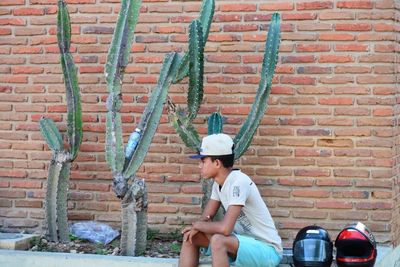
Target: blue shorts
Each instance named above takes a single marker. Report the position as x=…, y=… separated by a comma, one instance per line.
x=254, y=253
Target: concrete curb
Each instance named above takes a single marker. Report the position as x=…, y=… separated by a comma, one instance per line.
x=15, y=258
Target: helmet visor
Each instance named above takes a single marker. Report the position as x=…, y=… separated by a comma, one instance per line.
x=312, y=250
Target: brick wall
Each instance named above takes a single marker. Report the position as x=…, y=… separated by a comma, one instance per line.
x=325, y=151
x=396, y=213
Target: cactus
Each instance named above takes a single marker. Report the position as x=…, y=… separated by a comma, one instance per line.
x=60, y=164
x=243, y=138
x=194, y=68
x=183, y=123
x=174, y=68
x=215, y=123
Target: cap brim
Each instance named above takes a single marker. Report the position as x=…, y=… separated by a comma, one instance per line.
x=198, y=156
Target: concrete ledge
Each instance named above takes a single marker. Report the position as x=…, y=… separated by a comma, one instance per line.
x=15, y=258
x=15, y=241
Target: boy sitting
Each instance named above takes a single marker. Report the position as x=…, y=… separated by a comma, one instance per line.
x=246, y=236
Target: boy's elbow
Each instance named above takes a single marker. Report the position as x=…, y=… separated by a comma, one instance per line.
x=226, y=231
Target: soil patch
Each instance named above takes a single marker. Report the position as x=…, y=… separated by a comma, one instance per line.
x=159, y=245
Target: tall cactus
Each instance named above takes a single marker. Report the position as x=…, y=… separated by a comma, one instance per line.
x=60, y=164
x=124, y=166
x=192, y=65
x=183, y=123
x=243, y=138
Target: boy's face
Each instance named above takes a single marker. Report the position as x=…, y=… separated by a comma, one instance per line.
x=208, y=168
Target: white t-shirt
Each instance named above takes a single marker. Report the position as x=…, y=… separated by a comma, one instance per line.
x=254, y=219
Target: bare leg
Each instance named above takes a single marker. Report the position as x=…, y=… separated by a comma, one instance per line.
x=221, y=247
x=189, y=256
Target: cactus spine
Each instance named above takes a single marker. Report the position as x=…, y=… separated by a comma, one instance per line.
x=60, y=164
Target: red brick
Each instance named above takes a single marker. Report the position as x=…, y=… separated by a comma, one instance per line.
x=336, y=37
x=12, y=21
x=336, y=15
x=314, y=5
x=335, y=59
x=310, y=214
x=299, y=16
x=312, y=172
x=238, y=7
x=312, y=47
x=353, y=27
x=331, y=204
x=12, y=2
x=358, y=4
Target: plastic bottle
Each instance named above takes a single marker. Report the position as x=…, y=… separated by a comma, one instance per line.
x=132, y=143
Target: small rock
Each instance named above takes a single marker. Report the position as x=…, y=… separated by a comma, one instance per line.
x=44, y=241
x=73, y=251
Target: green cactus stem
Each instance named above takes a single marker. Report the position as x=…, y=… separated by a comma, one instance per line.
x=51, y=198
x=74, y=117
x=205, y=18
x=62, y=200
x=152, y=113
x=114, y=145
x=196, y=68
x=118, y=55
x=185, y=130
x=117, y=60
x=60, y=164
x=215, y=123
x=243, y=139
x=51, y=134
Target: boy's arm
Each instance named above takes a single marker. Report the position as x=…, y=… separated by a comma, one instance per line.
x=210, y=210
x=224, y=227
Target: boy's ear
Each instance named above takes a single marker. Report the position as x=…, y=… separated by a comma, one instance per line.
x=219, y=163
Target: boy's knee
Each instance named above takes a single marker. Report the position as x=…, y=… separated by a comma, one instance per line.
x=217, y=241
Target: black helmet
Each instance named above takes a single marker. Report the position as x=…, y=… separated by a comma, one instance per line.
x=355, y=246
x=312, y=247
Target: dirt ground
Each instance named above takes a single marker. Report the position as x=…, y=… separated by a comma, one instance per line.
x=159, y=245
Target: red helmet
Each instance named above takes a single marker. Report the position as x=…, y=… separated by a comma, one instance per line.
x=355, y=247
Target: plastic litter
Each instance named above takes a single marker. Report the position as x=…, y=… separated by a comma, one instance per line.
x=93, y=231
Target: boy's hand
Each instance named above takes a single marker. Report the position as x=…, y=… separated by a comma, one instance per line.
x=188, y=233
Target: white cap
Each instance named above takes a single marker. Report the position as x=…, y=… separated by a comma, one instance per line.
x=215, y=145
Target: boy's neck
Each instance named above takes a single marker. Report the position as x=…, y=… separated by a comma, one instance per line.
x=222, y=175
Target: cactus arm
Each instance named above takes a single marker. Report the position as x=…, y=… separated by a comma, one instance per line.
x=51, y=134
x=183, y=127
x=63, y=27
x=70, y=79
x=243, y=138
x=215, y=123
x=117, y=59
x=152, y=113
x=114, y=144
x=206, y=16
x=73, y=104
x=51, y=198
x=186, y=131
x=62, y=200
x=118, y=54
x=196, y=68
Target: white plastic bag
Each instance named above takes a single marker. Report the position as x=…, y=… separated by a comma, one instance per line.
x=94, y=231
